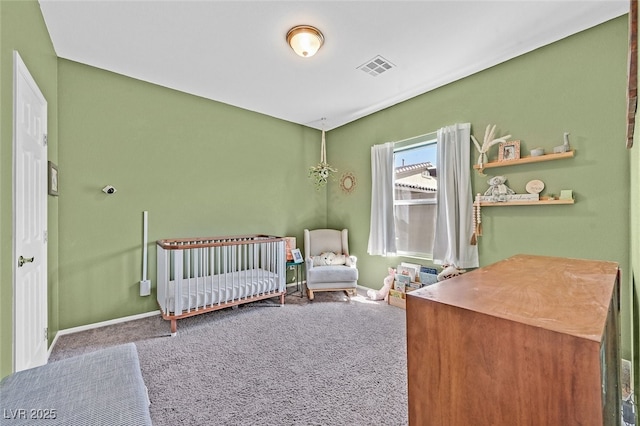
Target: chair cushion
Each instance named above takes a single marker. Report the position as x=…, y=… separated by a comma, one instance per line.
x=336, y=273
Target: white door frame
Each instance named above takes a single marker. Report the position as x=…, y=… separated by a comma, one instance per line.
x=29, y=221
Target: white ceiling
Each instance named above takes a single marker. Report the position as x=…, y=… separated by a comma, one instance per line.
x=235, y=51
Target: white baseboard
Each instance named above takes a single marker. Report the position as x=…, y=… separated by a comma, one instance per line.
x=53, y=343
x=361, y=287
x=99, y=324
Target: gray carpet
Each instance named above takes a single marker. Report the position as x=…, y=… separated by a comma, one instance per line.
x=333, y=361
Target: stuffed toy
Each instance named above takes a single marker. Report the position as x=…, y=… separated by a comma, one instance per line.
x=498, y=190
x=328, y=258
x=323, y=259
x=339, y=259
x=449, y=271
x=383, y=293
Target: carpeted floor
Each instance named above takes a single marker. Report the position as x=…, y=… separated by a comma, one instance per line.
x=333, y=361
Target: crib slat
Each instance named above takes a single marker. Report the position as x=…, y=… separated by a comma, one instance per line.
x=218, y=271
x=247, y=282
x=211, y=273
x=178, y=275
x=163, y=276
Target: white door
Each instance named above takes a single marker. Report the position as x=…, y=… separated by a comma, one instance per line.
x=29, y=220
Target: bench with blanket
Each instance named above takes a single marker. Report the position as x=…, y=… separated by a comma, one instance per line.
x=98, y=388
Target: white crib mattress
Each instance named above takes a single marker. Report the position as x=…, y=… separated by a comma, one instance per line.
x=217, y=289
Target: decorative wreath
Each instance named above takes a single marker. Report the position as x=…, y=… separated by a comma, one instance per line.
x=348, y=182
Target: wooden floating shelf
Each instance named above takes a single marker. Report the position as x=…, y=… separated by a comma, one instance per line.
x=526, y=160
x=525, y=203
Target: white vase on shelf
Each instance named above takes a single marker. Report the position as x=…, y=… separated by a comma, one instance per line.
x=482, y=159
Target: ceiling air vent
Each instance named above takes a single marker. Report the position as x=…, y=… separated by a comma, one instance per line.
x=376, y=66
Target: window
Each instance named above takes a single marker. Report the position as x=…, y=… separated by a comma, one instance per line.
x=415, y=195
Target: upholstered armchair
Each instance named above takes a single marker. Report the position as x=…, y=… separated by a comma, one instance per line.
x=328, y=264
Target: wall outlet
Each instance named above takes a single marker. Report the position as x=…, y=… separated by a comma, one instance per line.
x=145, y=288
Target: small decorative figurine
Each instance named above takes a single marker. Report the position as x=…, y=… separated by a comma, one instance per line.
x=565, y=146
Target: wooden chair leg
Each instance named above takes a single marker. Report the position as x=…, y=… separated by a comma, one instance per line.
x=310, y=294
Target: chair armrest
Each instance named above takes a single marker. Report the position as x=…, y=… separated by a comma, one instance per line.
x=308, y=263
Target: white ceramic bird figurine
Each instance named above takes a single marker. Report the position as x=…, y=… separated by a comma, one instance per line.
x=565, y=146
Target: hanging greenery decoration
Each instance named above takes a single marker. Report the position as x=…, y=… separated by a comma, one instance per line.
x=321, y=172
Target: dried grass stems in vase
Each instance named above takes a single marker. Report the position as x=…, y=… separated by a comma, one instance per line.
x=321, y=172
x=488, y=142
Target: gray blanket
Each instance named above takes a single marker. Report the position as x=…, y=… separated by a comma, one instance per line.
x=98, y=388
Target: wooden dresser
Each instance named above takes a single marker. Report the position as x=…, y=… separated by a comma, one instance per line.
x=530, y=340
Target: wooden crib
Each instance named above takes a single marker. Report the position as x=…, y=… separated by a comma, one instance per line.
x=198, y=275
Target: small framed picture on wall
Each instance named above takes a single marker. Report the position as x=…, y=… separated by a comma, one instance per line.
x=297, y=256
x=509, y=151
x=53, y=179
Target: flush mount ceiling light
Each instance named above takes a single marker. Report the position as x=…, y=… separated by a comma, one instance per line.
x=305, y=40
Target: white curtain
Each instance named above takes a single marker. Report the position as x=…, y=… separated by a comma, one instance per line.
x=454, y=225
x=382, y=234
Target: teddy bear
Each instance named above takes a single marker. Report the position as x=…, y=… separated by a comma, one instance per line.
x=498, y=190
x=324, y=259
x=328, y=258
x=383, y=293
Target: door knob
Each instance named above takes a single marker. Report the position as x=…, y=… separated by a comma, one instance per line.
x=23, y=260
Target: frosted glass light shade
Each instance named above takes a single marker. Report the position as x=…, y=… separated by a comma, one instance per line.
x=305, y=40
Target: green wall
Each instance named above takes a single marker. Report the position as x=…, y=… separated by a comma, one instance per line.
x=22, y=28
x=200, y=168
x=635, y=247
x=635, y=244
x=575, y=85
x=204, y=168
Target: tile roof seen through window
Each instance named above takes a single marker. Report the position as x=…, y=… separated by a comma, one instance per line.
x=417, y=177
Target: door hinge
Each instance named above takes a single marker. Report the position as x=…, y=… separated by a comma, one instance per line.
x=45, y=236
x=44, y=139
x=46, y=333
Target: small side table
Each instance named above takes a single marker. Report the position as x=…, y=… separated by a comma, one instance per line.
x=297, y=267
